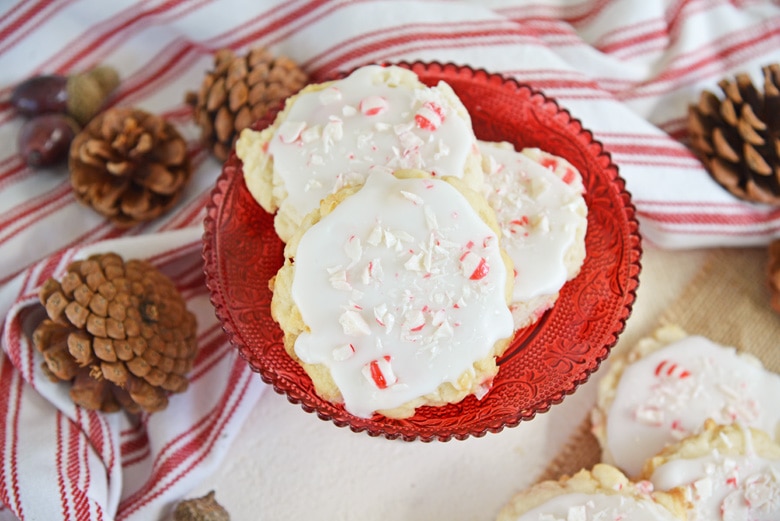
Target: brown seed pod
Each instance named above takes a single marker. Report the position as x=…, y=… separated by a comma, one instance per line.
x=45, y=140
x=238, y=91
x=80, y=95
x=203, y=508
x=129, y=165
x=738, y=137
x=119, y=331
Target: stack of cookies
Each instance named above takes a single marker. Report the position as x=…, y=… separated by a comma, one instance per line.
x=413, y=251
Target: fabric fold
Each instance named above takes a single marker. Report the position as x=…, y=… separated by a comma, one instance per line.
x=62, y=461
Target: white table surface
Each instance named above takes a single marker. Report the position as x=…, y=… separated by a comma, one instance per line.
x=288, y=464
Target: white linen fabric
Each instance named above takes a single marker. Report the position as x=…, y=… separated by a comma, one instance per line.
x=628, y=70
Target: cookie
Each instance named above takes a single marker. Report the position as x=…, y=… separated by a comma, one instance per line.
x=665, y=388
x=336, y=134
x=539, y=204
x=725, y=473
x=394, y=295
x=598, y=494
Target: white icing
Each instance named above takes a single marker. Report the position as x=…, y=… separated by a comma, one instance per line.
x=669, y=393
x=539, y=215
x=399, y=291
x=727, y=488
x=597, y=507
x=377, y=118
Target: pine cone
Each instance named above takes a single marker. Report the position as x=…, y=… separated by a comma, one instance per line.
x=738, y=138
x=203, y=508
x=119, y=331
x=238, y=92
x=129, y=165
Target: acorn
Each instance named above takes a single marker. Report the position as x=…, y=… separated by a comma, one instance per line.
x=79, y=95
x=45, y=140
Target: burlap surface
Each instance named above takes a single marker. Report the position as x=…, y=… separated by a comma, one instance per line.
x=728, y=302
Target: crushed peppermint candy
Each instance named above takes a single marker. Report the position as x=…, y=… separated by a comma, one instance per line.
x=380, y=372
x=343, y=352
x=430, y=116
x=330, y=95
x=290, y=131
x=668, y=368
x=414, y=198
x=473, y=266
x=353, y=323
x=373, y=105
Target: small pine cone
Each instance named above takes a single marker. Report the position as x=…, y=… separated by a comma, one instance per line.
x=203, y=508
x=129, y=165
x=119, y=331
x=238, y=92
x=738, y=138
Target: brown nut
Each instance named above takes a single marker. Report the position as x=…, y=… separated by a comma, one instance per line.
x=41, y=94
x=81, y=95
x=45, y=140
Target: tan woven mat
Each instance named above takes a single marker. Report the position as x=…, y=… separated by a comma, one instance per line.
x=728, y=302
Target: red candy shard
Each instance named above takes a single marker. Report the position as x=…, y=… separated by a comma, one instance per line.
x=669, y=369
x=430, y=116
x=379, y=376
x=481, y=270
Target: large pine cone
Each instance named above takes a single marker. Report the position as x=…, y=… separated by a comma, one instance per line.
x=119, y=331
x=738, y=138
x=238, y=92
x=129, y=165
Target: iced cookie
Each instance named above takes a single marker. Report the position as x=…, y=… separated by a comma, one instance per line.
x=665, y=388
x=335, y=134
x=602, y=493
x=394, y=295
x=539, y=204
x=725, y=473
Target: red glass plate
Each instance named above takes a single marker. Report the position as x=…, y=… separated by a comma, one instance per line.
x=544, y=363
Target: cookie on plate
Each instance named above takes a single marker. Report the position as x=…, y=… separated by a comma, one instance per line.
x=539, y=204
x=335, y=134
x=725, y=473
x=665, y=388
x=394, y=295
x=589, y=495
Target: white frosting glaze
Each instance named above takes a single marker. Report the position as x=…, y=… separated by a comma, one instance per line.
x=668, y=394
x=376, y=119
x=727, y=488
x=403, y=288
x=538, y=201
x=597, y=507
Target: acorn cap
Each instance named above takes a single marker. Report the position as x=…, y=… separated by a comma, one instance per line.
x=88, y=92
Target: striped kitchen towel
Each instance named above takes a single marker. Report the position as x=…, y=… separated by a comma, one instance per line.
x=626, y=69
x=59, y=461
